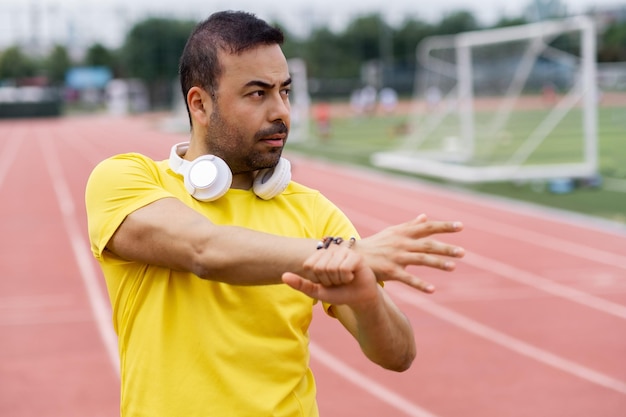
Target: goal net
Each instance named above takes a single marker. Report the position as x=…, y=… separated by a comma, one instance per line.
x=512, y=103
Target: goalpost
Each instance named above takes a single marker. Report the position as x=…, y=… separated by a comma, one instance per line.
x=299, y=100
x=514, y=103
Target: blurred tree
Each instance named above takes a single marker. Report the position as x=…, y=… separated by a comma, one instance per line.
x=14, y=64
x=100, y=56
x=364, y=37
x=151, y=52
x=56, y=65
x=292, y=47
x=457, y=22
x=328, y=56
x=406, y=38
x=612, y=47
x=509, y=21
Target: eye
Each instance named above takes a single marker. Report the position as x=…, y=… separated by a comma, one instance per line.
x=286, y=91
x=258, y=93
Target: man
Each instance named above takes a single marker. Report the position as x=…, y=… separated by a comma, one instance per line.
x=196, y=249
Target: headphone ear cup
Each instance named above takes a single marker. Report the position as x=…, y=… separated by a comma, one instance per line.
x=271, y=182
x=208, y=178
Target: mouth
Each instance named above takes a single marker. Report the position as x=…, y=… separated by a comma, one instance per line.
x=275, y=140
x=275, y=135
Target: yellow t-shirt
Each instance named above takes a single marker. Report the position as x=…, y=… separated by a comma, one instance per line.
x=193, y=347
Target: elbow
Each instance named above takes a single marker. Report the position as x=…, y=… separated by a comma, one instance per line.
x=396, y=360
x=198, y=265
x=401, y=363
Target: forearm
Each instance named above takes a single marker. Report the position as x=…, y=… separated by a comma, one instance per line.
x=382, y=331
x=244, y=257
x=167, y=233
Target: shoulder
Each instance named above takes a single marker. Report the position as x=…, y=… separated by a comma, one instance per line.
x=129, y=160
x=295, y=188
x=125, y=167
x=124, y=174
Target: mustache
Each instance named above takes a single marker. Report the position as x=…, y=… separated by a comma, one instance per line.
x=276, y=128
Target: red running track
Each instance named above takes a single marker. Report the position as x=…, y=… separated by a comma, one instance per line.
x=532, y=322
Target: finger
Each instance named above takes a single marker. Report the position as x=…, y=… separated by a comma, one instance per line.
x=429, y=260
x=335, y=267
x=316, y=269
x=431, y=227
x=333, y=295
x=415, y=282
x=299, y=283
x=438, y=248
x=345, y=271
x=421, y=218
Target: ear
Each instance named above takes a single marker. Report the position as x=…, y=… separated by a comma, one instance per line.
x=200, y=105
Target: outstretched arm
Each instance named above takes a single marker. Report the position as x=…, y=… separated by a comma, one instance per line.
x=170, y=234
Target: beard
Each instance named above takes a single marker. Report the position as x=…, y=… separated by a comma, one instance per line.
x=225, y=140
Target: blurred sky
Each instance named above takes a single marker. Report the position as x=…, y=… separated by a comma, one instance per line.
x=83, y=22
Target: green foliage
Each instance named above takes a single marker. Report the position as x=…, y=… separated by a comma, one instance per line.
x=506, y=22
x=99, y=56
x=153, y=47
x=457, y=22
x=325, y=54
x=613, y=45
x=15, y=64
x=363, y=37
x=57, y=64
x=406, y=38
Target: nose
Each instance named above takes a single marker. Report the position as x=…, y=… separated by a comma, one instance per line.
x=280, y=109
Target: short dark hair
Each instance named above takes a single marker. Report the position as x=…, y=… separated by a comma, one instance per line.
x=233, y=32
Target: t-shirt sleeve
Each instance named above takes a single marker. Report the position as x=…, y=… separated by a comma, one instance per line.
x=117, y=187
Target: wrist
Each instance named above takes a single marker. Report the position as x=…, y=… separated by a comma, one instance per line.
x=367, y=303
x=330, y=240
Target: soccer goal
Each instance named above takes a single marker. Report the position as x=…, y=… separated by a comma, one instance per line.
x=514, y=103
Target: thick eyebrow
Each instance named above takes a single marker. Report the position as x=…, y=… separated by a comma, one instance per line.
x=267, y=86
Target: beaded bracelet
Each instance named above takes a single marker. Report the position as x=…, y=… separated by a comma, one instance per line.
x=329, y=240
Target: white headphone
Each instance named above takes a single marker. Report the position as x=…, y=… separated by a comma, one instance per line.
x=208, y=177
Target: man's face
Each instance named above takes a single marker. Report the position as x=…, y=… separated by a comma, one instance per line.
x=250, y=120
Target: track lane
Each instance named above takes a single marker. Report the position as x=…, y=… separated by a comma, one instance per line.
x=51, y=359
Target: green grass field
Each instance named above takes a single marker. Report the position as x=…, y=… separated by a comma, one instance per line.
x=353, y=140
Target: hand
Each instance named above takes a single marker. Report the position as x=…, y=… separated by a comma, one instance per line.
x=336, y=275
x=390, y=251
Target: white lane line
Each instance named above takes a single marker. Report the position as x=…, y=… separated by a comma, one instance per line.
x=97, y=300
x=519, y=275
x=372, y=387
x=511, y=343
x=8, y=154
x=515, y=274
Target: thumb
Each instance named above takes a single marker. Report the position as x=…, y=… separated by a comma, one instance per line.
x=305, y=286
